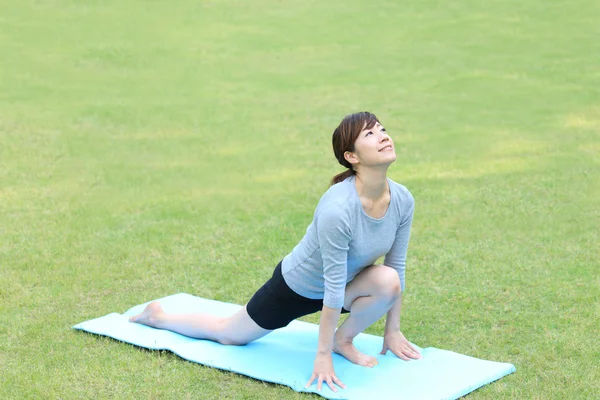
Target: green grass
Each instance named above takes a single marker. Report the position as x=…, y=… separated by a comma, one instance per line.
x=149, y=148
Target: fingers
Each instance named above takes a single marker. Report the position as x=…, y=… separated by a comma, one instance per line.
x=326, y=379
x=384, y=349
x=414, y=355
x=338, y=382
x=330, y=384
x=415, y=351
x=330, y=380
x=403, y=349
x=410, y=353
x=406, y=354
x=311, y=380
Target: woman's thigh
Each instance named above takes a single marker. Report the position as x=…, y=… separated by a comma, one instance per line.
x=275, y=304
x=240, y=329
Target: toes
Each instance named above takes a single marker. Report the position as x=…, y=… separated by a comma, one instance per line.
x=372, y=362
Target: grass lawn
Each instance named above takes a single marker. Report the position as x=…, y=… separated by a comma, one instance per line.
x=149, y=148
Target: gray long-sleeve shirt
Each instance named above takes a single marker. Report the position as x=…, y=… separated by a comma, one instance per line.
x=342, y=240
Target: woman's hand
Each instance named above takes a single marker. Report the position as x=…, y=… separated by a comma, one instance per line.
x=323, y=372
x=397, y=344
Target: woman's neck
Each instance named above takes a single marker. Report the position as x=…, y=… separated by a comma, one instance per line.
x=372, y=183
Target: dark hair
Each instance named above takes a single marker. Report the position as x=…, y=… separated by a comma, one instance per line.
x=344, y=137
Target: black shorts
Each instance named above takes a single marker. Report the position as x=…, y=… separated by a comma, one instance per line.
x=275, y=304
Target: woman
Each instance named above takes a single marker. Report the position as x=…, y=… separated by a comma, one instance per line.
x=363, y=216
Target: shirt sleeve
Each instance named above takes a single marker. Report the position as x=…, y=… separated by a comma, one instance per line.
x=334, y=234
x=396, y=257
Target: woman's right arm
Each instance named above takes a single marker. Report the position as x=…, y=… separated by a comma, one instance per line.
x=334, y=234
x=323, y=366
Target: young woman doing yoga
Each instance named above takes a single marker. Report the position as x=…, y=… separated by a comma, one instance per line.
x=363, y=216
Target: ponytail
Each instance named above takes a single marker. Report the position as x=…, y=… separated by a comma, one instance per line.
x=342, y=176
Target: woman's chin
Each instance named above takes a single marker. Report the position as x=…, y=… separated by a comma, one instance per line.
x=390, y=158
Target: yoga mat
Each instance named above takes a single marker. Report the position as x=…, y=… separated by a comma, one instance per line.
x=286, y=356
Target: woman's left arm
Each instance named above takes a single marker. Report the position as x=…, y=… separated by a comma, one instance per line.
x=394, y=340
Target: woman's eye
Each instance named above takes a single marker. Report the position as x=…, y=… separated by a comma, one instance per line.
x=369, y=133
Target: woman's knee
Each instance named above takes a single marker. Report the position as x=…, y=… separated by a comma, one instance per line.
x=387, y=281
x=231, y=341
x=226, y=335
x=239, y=329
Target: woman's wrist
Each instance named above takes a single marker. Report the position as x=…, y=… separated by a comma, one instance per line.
x=392, y=324
x=327, y=325
x=321, y=352
x=391, y=331
x=392, y=321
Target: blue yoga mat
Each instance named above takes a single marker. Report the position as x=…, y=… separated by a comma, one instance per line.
x=286, y=357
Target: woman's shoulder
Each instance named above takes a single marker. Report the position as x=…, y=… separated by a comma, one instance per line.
x=339, y=196
x=341, y=190
x=401, y=195
x=399, y=188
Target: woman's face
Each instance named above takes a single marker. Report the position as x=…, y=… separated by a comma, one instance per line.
x=373, y=147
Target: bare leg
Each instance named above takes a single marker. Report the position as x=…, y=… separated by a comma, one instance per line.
x=237, y=329
x=368, y=297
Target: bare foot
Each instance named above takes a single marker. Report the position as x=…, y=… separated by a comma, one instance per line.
x=347, y=350
x=150, y=316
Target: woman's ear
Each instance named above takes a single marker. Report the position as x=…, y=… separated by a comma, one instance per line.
x=351, y=157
